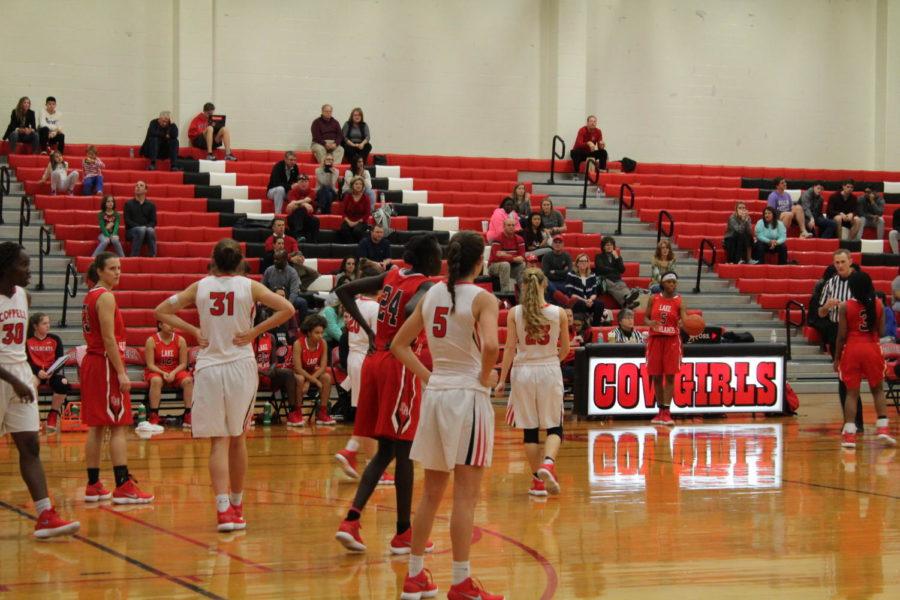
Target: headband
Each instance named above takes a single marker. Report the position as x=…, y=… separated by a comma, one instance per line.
x=669, y=277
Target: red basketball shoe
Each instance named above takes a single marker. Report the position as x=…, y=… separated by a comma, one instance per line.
x=402, y=543
x=537, y=487
x=348, y=535
x=95, y=492
x=238, y=517
x=49, y=524
x=420, y=586
x=663, y=418
x=547, y=473
x=470, y=590
x=347, y=459
x=130, y=493
x=52, y=421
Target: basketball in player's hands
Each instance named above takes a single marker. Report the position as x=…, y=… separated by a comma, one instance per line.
x=693, y=325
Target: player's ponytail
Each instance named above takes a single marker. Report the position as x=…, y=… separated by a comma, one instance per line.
x=464, y=253
x=93, y=273
x=863, y=291
x=33, y=321
x=532, y=300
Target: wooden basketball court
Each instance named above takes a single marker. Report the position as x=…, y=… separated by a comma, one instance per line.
x=736, y=508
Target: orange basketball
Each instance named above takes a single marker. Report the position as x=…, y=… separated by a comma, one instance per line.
x=693, y=324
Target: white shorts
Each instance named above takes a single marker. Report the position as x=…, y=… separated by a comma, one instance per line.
x=354, y=375
x=456, y=427
x=535, y=397
x=15, y=415
x=223, y=398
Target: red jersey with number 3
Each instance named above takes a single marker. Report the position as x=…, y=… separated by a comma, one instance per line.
x=666, y=312
x=311, y=355
x=13, y=322
x=399, y=287
x=857, y=330
x=90, y=323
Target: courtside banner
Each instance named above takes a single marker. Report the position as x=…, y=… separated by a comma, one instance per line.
x=725, y=378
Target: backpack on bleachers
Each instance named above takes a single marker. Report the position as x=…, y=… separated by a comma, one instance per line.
x=382, y=217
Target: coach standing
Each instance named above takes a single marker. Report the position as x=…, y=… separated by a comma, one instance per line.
x=835, y=292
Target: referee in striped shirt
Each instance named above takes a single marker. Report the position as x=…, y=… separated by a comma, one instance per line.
x=835, y=292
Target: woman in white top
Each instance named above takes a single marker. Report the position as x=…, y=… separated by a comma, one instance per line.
x=537, y=340
x=456, y=421
x=225, y=376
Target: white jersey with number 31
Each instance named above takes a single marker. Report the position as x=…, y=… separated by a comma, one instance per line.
x=226, y=308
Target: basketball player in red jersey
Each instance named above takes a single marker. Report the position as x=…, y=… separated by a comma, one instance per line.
x=390, y=394
x=166, y=354
x=105, y=398
x=311, y=365
x=665, y=313
x=858, y=354
x=44, y=348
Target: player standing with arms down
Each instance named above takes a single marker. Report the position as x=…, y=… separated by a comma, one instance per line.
x=665, y=313
x=18, y=399
x=858, y=354
x=456, y=430
x=533, y=330
x=390, y=393
x=225, y=376
x=105, y=397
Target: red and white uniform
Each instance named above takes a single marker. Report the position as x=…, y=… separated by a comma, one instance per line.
x=102, y=403
x=263, y=346
x=456, y=426
x=166, y=357
x=312, y=356
x=664, y=346
x=862, y=357
x=15, y=415
x=225, y=375
x=536, y=384
x=358, y=341
x=389, y=395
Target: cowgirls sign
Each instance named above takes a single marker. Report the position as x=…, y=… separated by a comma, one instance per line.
x=612, y=380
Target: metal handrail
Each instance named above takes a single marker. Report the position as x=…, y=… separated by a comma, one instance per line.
x=554, y=155
x=704, y=243
x=71, y=281
x=789, y=322
x=24, y=216
x=659, y=225
x=588, y=179
x=44, y=237
x=622, y=204
x=4, y=188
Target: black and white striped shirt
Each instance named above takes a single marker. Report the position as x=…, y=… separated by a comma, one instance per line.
x=836, y=287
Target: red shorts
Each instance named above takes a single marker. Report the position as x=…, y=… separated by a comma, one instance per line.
x=179, y=378
x=101, y=401
x=663, y=355
x=861, y=360
x=389, y=399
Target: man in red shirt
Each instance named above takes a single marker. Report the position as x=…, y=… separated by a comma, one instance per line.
x=290, y=244
x=507, y=261
x=589, y=144
x=204, y=135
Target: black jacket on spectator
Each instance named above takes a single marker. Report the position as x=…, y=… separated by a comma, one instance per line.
x=556, y=266
x=609, y=266
x=585, y=288
x=838, y=204
x=160, y=133
x=281, y=178
x=375, y=252
x=15, y=123
x=140, y=215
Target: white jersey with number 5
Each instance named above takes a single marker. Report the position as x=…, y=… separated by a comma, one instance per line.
x=13, y=325
x=357, y=338
x=543, y=351
x=225, y=306
x=452, y=339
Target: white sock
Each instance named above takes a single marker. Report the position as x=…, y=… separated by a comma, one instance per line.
x=416, y=564
x=881, y=422
x=236, y=498
x=222, y=502
x=460, y=572
x=42, y=505
x=849, y=428
x=352, y=445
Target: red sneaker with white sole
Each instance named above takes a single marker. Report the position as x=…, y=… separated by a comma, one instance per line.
x=885, y=436
x=470, y=590
x=52, y=421
x=295, y=419
x=547, y=473
x=386, y=479
x=238, y=517
x=848, y=440
x=348, y=535
x=537, y=487
x=225, y=520
x=402, y=543
x=50, y=524
x=186, y=420
x=664, y=417
x=420, y=586
x=347, y=459
x=130, y=493
x=95, y=492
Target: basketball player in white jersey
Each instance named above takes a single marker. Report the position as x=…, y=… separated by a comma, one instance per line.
x=537, y=340
x=18, y=399
x=225, y=377
x=358, y=341
x=456, y=422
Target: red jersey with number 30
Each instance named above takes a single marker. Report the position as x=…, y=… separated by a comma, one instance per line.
x=399, y=287
x=666, y=312
x=857, y=330
x=90, y=323
x=166, y=356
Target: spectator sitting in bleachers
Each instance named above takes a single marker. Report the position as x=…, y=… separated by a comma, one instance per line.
x=889, y=333
x=739, y=236
x=50, y=126
x=166, y=357
x=284, y=281
x=274, y=377
x=43, y=349
x=521, y=203
x=894, y=235
x=355, y=211
x=814, y=211
x=327, y=177
x=583, y=289
x=663, y=260
x=140, y=221
x=346, y=272
x=871, y=212
x=497, y=223
x=625, y=333
x=843, y=209
x=507, y=260
x=356, y=137
x=302, y=222
x=358, y=169
x=786, y=209
x=278, y=233
x=93, y=176
x=282, y=180
x=895, y=290
x=553, y=220
x=307, y=274
x=22, y=127
x=335, y=324
x=609, y=267
x=327, y=136
x=161, y=141
x=537, y=239
x=109, y=221
x=204, y=135
x=589, y=144
x=580, y=333
x=376, y=248
x=311, y=365
x=556, y=265
x=771, y=236
x=62, y=180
